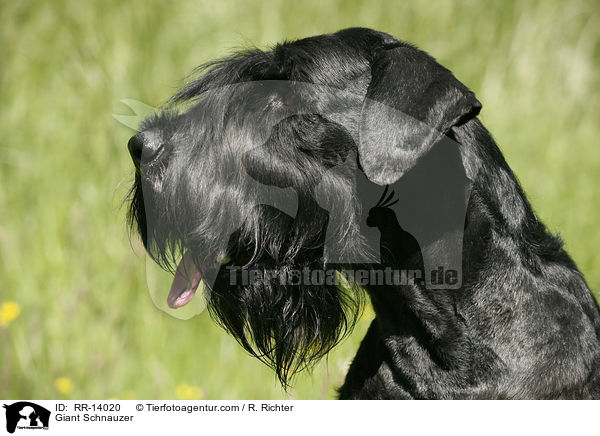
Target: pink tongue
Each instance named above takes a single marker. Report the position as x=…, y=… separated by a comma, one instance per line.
x=186, y=281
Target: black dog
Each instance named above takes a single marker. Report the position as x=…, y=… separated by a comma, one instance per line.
x=266, y=187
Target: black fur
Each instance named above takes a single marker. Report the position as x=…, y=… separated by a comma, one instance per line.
x=324, y=120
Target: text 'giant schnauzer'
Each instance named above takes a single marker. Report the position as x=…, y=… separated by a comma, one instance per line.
x=290, y=180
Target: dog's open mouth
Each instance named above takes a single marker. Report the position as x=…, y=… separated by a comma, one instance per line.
x=185, y=283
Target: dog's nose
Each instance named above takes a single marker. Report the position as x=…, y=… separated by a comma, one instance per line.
x=144, y=147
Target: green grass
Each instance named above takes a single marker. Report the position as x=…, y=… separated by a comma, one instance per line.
x=65, y=254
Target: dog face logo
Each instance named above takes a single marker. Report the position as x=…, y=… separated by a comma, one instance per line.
x=26, y=415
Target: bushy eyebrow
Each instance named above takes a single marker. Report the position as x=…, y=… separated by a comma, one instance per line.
x=242, y=66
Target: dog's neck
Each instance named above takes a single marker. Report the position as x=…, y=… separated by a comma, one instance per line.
x=497, y=209
x=496, y=190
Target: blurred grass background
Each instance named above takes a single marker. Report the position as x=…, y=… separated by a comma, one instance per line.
x=77, y=320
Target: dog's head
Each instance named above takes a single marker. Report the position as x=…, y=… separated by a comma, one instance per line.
x=251, y=167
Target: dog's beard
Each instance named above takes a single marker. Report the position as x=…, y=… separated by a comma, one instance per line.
x=289, y=327
x=278, y=316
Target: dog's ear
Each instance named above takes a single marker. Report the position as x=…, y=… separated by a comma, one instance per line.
x=410, y=103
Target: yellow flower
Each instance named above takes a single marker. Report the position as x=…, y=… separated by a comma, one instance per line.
x=63, y=385
x=186, y=392
x=8, y=312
